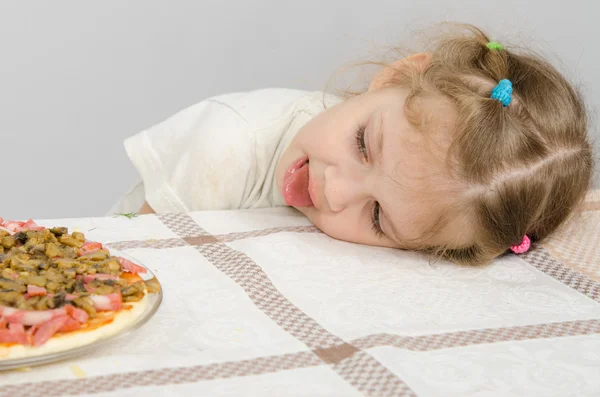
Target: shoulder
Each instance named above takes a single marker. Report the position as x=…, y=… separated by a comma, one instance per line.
x=259, y=106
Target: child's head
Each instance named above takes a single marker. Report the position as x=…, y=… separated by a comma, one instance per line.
x=427, y=160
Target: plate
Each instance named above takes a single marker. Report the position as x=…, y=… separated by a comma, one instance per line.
x=84, y=345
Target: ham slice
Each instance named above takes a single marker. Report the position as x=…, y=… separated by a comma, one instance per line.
x=130, y=267
x=34, y=290
x=16, y=328
x=107, y=302
x=77, y=314
x=14, y=335
x=13, y=226
x=16, y=226
x=2, y=227
x=89, y=246
x=70, y=325
x=31, y=225
x=65, y=319
x=49, y=328
x=30, y=317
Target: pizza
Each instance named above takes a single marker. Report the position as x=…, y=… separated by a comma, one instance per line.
x=59, y=291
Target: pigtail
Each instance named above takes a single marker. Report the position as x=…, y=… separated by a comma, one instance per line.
x=526, y=164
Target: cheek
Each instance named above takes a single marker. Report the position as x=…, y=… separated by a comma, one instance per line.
x=346, y=227
x=328, y=133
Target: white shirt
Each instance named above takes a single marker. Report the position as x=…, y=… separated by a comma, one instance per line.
x=220, y=153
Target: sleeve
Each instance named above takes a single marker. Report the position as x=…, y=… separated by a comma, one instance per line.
x=202, y=158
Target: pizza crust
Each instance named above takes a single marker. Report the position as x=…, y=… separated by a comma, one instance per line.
x=58, y=343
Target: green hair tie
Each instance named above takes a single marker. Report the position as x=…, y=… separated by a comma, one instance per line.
x=494, y=45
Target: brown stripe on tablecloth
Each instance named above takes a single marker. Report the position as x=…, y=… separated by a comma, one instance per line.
x=357, y=367
x=372, y=378
x=335, y=354
x=265, y=232
x=182, y=224
x=162, y=377
x=577, y=246
x=156, y=244
x=480, y=336
x=541, y=259
x=349, y=361
x=205, y=238
x=201, y=240
x=352, y=365
x=246, y=273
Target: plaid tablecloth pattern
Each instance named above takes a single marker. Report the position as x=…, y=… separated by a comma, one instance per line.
x=262, y=303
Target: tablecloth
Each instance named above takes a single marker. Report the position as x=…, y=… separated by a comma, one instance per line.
x=260, y=303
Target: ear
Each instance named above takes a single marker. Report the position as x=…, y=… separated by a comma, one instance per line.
x=419, y=61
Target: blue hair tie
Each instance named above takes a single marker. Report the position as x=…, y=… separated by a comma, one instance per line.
x=503, y=92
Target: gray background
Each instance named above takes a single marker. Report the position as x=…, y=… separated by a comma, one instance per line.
x=78, y=77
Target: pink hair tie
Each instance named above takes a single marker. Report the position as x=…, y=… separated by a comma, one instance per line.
x=523, y=247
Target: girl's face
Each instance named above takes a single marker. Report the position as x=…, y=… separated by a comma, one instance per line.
x=370, y=176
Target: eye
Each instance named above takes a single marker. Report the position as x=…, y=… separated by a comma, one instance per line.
x=360, y=141
x=375, y=225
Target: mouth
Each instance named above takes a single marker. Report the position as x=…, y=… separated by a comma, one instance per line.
x=296, y=184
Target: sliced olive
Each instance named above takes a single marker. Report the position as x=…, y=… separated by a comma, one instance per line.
x=85, y=304
x=29, y=304
x=79, y=288
x=47, y=236
x=133, y=298
x=9, y=297
x=99, y=255
x=78, y=236
x=70, y=241
x=58, y=300
x=9, y=273
x=152, y=285
x=59, y=231
x=54, y=275
x=8, y=242
x=12, y=285
x=52, y=251
x=104, y=287
x=70, y=273
x=44, y=303
x=114, y=265
x=21, y=238
x=40, y=281
x=64, y=263
x=83, y=268
x=52, y=286
x=131, y=290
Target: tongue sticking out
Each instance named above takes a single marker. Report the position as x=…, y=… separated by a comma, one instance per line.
x=295, y=188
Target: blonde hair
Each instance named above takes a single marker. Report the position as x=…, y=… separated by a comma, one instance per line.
x=526, y=166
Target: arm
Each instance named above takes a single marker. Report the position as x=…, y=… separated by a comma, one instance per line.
x=146, y=209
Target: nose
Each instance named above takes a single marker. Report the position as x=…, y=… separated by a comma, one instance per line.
x=344, y=187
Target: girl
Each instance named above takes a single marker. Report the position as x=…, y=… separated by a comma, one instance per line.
x=464, y=151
